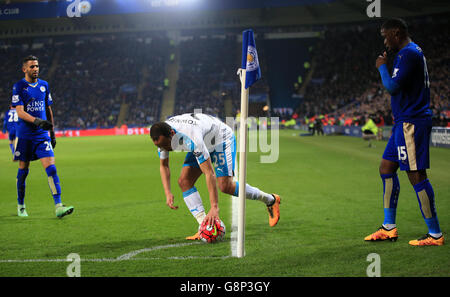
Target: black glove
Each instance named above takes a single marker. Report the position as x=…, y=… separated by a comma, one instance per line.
x=46, y=125
x=53, y=139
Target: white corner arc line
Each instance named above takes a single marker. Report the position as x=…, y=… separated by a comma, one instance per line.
x=134, y=253
x=126, y=257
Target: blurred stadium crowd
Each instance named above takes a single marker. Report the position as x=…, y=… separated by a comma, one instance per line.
x=207, y=65
x=92, y=76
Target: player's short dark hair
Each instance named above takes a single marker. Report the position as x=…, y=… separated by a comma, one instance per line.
x=396, y=23
x=29, y=58
x=158, y=129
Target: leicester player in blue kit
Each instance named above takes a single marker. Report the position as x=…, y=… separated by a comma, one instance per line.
x=32, y=100
x=9, y=124
x=408, y=146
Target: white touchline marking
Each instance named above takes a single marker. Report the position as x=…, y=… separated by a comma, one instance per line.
x=126, y=257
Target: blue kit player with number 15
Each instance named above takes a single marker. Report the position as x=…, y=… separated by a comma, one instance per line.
x=408, y=146
x=32, y=100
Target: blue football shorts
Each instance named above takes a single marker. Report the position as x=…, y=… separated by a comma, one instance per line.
x=223, y=158
x=409, y=144
x=33, y=149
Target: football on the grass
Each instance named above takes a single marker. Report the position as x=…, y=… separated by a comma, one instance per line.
x=212, y=233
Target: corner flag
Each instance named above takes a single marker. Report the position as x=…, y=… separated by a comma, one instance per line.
x=250, y=60
x=249, y=73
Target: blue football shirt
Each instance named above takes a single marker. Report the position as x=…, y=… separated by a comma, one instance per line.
x=10, y=121
x=34, y=98
x=410, y=72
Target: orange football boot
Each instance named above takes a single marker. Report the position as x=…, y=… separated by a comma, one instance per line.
x=383, y=234
x=274, y=211
x=196, y=236
x=427, y=240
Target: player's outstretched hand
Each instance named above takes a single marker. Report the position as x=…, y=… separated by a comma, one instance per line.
x=44, y=124
x=382, y=59
x=169, y=201
x=212, y=215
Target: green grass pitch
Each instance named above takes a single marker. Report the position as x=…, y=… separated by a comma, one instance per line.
x=331, y=198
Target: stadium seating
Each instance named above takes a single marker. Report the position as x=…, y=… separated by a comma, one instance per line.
x=91, y=76
x=207, y=66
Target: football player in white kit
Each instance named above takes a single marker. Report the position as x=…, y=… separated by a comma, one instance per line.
x=211, y=150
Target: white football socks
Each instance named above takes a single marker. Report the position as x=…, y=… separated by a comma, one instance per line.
x=436, y=235
x=253, y=193
x=389, y=227
x=195, y=204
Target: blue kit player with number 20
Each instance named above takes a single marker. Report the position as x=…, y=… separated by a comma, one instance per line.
x=32, y=100
x=408, y=146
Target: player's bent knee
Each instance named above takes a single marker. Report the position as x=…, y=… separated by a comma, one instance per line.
x=387, y=167
x=24, y=165
x=384, y=170
x=226, y=187
x=185, y=184
x=417, y=176
x=181, y=182
x=47, y=161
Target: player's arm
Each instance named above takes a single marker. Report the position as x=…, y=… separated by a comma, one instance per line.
x=21, y=113
x=49, y=113
x=211, y=182
x=390, y=85
x=24, y=115
x=17, y=102
x=164, y=171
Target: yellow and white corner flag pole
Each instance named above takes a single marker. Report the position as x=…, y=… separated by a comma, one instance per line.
x=249, y=73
